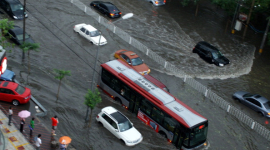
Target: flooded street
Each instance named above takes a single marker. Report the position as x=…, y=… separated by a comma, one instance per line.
x=171, y=31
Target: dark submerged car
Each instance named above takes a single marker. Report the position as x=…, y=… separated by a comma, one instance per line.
x=13, y=8
x=107, y=8
x=16, y=35
x=210, y=54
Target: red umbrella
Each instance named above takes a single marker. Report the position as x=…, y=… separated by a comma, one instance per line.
x=24, y=114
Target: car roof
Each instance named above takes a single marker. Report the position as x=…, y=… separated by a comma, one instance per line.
x=17, y=30
x=8, y=85
x=207, y=46
x=109, y=110
x=119, y=117
x=13, y=1
x=89, y=27
x=261, y=98
x=131, y=54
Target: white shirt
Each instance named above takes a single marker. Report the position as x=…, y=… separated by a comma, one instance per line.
x=38, y=142
x=10, y=111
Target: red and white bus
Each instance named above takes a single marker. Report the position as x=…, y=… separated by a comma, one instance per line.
x=163, y=112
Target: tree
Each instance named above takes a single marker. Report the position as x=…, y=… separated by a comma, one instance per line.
x=91, y=100
x=60, y=75
x=5, y=25
x=27, y=47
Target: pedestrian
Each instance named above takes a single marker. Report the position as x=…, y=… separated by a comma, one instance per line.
x=22, y=124
x=63, y=146
x=38, y=142
x=32, y=125
x=55, y=121
x=10, y=113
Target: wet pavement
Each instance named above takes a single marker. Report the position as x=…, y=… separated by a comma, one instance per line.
x=51, y=24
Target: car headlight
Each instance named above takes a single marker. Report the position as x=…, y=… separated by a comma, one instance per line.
x=15, y=17
x=26, y=15
x=221, y=64
x=128, y=141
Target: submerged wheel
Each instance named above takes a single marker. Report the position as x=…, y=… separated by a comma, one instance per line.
x=261, y=114
x=163, y=135
x=118, y=100
x=15, y=102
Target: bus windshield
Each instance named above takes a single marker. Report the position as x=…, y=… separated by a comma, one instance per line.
x=198, y=135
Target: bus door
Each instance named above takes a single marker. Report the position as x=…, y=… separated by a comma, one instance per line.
x=134, y=103
x=178, y=137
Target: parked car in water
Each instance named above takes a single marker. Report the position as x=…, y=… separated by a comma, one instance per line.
x=210, y=54
x=254, y=101
x=106, y=8
x=13, y=8
x=119, y=125
x=133, y=60
x=16, y=35
x=14, y=93
x=157, y=2
x=90, y=33
x=7, y=76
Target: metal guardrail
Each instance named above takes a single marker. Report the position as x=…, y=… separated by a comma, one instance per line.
x=187, y=43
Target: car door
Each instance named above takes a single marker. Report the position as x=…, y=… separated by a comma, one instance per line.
x=87, y=35
x=253, y=104
x=6, y=94
x=114, y=129
x=109, y=124
x=82, y=31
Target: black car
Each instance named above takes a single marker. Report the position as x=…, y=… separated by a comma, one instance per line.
x=14, y=8
x=106, y=8
x=16, y=35
x=210, y=54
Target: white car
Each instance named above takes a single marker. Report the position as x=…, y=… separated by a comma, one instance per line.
x=90, y=33
x=119, y=125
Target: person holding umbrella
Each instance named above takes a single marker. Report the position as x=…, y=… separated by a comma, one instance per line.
x=64, y=141
x=23, y=114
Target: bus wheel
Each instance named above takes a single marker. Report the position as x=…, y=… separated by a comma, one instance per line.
x=163, y=134
x=118, y=100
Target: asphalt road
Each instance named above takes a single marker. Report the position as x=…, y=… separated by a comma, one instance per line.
x=51, y=24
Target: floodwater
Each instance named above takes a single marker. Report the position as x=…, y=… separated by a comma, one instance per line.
x=171, y=31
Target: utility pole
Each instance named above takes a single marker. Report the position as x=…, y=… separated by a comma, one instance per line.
x=265, y=35
x=248, y=19
x=24, y=12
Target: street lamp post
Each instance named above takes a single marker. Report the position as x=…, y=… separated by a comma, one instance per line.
x=127, y=16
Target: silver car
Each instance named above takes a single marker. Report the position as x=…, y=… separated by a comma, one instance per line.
x=157, y=2
x=254, y=101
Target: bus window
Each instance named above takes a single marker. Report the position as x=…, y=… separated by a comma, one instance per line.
x=146, y=107
x=115, y=85
x=105, y=77
x=126, y=92
x=169, y=123
x=157, y=115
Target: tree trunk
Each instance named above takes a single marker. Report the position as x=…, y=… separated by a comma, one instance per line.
x=90, y=118
x=58, y=90
x=28, y=62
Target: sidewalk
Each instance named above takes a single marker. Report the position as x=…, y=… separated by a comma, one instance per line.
x=14, y=139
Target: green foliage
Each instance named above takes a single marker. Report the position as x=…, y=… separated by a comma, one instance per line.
x=30, y=46
x=186, y=2
x=61, y=73
x=92, y=98
x=5, y=25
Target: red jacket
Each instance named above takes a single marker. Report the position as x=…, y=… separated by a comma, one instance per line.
x=54, y=121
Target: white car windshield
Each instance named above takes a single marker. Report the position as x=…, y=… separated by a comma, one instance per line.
x=94, y=33
x=124, y=126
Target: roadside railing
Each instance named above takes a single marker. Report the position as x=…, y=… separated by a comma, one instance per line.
x=186, y=44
